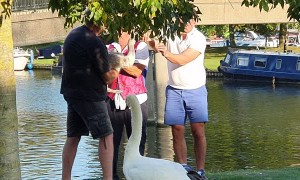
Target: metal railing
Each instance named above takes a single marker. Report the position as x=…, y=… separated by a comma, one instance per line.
x=21, y=5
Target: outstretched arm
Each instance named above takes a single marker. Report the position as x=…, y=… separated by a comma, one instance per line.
x=183, y=58
x=135, y=70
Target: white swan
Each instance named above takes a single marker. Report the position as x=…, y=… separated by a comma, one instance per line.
x=137, y=167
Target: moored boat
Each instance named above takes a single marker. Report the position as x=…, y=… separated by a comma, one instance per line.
x=21, y=58
x=258, y=65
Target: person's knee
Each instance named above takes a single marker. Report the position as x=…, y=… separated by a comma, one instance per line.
x=73, y=141
x=178, y=129
x=198, y=131
x=108, y=138
x=178, y=132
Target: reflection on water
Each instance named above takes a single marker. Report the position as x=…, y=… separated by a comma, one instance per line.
x=250, y=126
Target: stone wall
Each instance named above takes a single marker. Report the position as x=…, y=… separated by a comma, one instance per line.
x=42, y=26
x=37, y=27
x=231, y=12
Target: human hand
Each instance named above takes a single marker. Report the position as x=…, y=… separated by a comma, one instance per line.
x=114, y=73
x=162, y=48
x=110, y=76
x=116, y=91
x=145, y=37
x=153, y=43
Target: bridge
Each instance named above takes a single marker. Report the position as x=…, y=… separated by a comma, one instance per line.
x=33, y=23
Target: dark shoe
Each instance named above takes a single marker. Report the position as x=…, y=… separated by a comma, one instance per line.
x=116, y=177
x=187, y=167
x=202, y=174
x=193, y=175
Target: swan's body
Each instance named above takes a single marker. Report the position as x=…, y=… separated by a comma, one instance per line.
x=137, y=167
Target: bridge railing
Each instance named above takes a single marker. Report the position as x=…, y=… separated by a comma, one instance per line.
x=21, y=5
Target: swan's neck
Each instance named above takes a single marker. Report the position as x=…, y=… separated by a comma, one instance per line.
x=133, y=144
x=131, y=52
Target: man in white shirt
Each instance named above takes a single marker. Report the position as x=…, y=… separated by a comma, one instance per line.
x=186, y=94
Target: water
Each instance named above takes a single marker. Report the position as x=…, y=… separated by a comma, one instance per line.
x=251, y=127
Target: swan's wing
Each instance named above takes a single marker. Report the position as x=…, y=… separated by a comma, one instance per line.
x=154, y=169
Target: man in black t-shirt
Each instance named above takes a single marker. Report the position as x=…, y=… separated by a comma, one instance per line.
x=86, y=73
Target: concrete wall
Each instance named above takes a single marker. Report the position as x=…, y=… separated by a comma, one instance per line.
x=37, y=27
x=42, y=26
x=231, y=12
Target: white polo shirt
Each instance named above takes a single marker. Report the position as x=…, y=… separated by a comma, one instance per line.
x=191, y=75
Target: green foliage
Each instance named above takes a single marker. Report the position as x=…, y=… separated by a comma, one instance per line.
x=294, y=26
x=5, y=9
x=293, y=11
x=215, y=30
x=265, y=29
x=135, y=16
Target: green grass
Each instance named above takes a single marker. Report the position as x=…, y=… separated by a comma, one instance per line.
x=213, y=57
x=43, y=62
x=289, y=173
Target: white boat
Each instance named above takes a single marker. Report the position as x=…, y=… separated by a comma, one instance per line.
x=250, y=38
x=21, y=58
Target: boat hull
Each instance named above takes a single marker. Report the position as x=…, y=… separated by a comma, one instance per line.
x=20, y=63
x=262, y=79
x=261, y=66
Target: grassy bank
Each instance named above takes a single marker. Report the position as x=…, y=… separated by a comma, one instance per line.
x=213, y=57
x=43, y=62
x=289, y=173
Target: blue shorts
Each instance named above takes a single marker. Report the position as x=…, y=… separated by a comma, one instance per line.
x=183, y=103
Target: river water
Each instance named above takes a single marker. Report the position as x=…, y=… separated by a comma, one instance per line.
x=251, y=126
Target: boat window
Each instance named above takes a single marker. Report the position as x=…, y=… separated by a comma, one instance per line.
x=242, y=60
x=298, y=65
x=260, y=62
x=278, y=63
x=227, y=58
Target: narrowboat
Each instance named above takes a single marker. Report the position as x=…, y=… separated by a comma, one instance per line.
x=258, y=65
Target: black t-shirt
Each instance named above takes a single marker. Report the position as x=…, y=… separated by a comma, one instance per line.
x=85, y=60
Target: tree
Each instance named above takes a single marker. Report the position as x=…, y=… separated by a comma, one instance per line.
x=266, y=30
x=9, y=145
x=293, y=9
x=282, y=35
x=214, y=30
x=162, y=17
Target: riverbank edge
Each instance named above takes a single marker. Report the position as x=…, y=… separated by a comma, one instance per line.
x=290, y=173
x=209, y=73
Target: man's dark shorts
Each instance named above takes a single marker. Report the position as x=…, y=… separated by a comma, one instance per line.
x=88, y=116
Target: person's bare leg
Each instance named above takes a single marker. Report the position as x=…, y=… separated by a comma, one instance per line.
x=198, y=131
x=68, y=156
x=106, y=153
x=179, y=144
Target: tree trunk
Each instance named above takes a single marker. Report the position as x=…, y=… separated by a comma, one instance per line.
x=231, y=36
x=282, y=35
x=9, y=145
